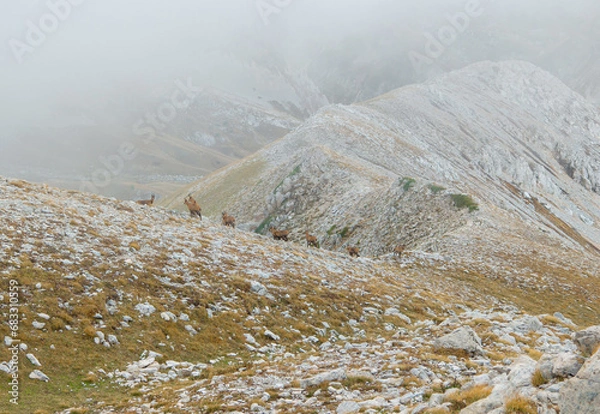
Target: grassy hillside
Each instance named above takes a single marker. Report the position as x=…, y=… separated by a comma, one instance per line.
x=84, y=263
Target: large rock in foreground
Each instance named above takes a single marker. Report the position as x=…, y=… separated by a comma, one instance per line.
x=462, y=339
x=588, y=339
x=581, y=395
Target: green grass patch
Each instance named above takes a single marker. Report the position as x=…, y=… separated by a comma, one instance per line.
x=435, y=189
x=344, y=232
x=294, y=172
x=264, y=225
x=464, y=201
x=407, y=183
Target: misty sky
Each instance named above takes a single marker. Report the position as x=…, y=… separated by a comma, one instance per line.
x=105, y=44
x=111, y=43
x=113, y=55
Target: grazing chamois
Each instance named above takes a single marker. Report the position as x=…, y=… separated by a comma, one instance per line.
x=193, y=206
x=147, y=202
x=399, y=249
x=228, y=220
x=353, y=251
x=311, y=240
x=279, y=234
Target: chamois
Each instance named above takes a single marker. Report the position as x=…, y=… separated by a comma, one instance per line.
x=311, y=240
x=146, y=202
x=353, y=251
x=279, y=234
x=193, y=206
x=228, y=220
x=399, y=249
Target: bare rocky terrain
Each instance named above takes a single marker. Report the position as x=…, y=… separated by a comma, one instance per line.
x=502, y=153
x=135, y=309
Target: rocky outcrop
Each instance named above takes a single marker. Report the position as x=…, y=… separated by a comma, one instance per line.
x=581, y=395
x=588, y=339
x=462, y=339
x=562, y=365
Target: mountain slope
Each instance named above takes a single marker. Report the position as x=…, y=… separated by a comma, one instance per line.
x=124, y=307
x=505, y=138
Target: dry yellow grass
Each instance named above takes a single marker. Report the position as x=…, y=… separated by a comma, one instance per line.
x=464, y=398
x=57, y=324
x=519, y=404
x=361, y=384
x=89, y=331
x=534, y=353
x=537, y=379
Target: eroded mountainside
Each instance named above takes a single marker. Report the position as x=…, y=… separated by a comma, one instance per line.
x=503, y=153
x=133, y=309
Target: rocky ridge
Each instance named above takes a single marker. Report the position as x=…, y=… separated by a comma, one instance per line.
x=507, y=140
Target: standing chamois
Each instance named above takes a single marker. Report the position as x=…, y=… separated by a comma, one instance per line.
x=399, y=249
x=193, y=206
x=279, y=234
x=353, y=251
x=311, y=240
x=228, y=220
x=146, y=202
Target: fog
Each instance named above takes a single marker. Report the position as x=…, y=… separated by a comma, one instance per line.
x=102, y=63
x=104, y=46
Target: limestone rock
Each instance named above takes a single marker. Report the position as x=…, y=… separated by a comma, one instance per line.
x=336, y=375
x=526, y=324
x=588, y=339
x=581, y=394
x=145, y=309
x=566, y=365
x=348, y=407
x=272, y=336
x=39, y=375
x=38, y=325
x=521, y=372
x=33, y=360
x=463, y=338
